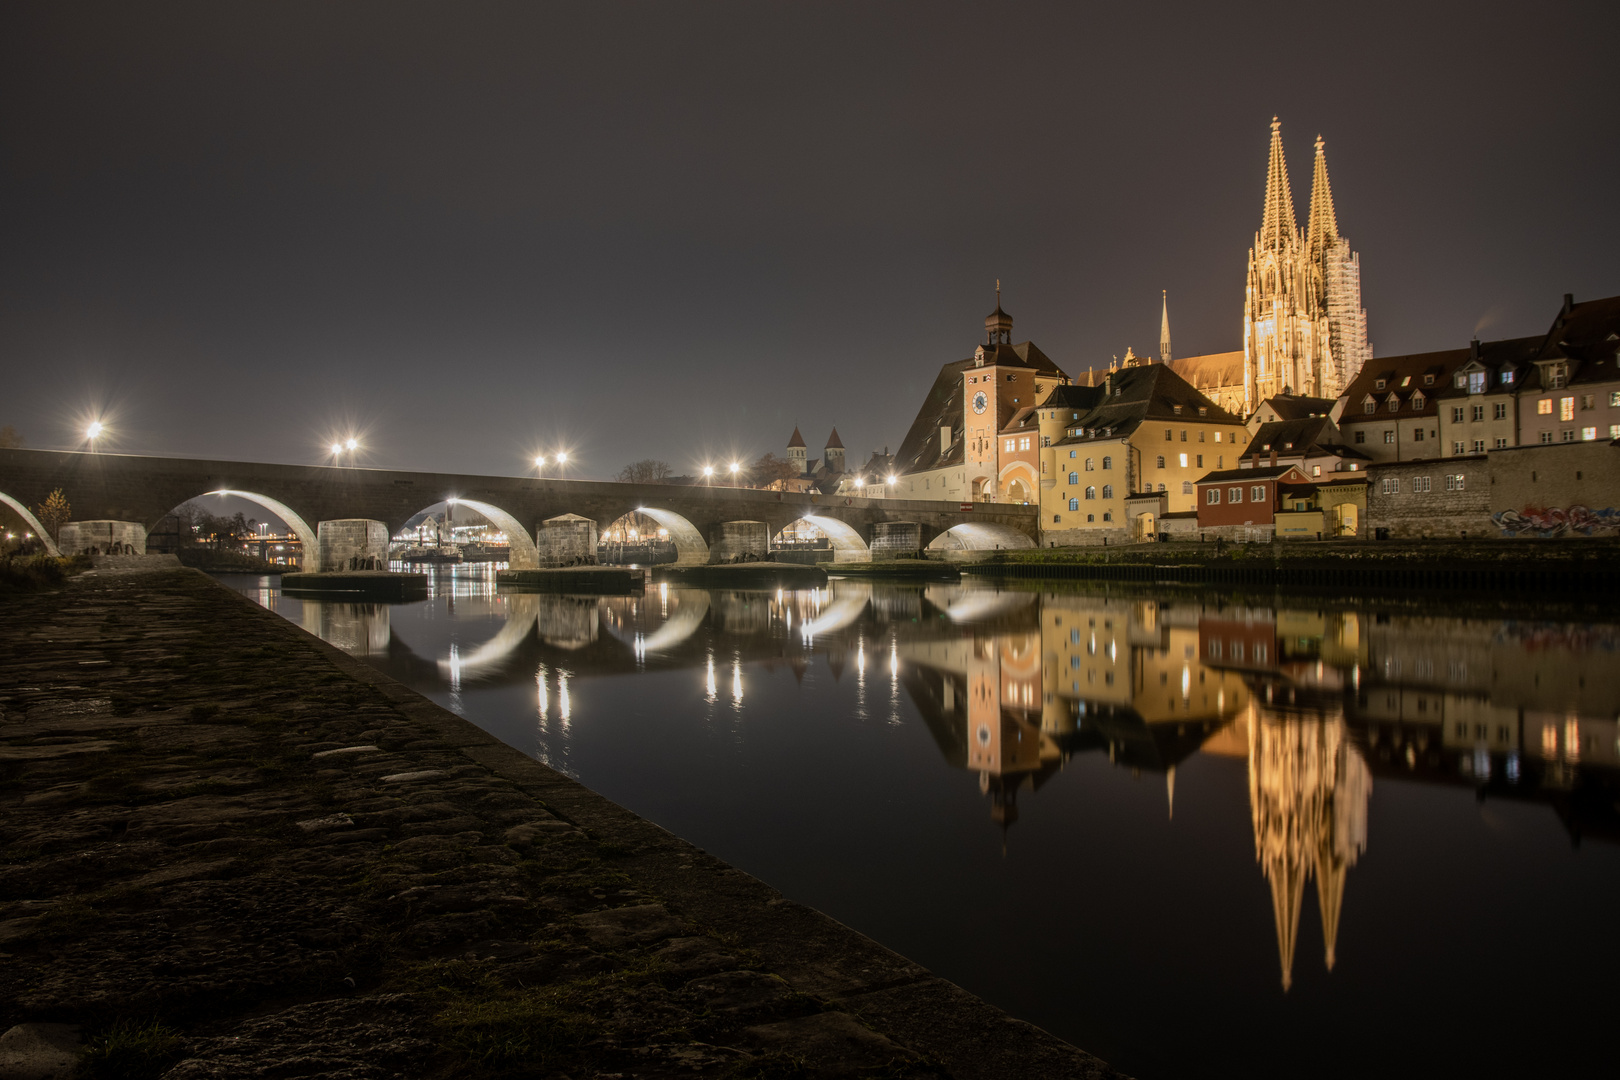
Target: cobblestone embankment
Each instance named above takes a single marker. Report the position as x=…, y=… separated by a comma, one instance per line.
x=232, y=851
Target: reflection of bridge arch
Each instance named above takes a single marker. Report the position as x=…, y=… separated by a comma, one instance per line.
x=307, y=537
x=980, y=536
x=690, y=611
x=848, y=604
x=522, y=610
x=33, y=523
x=846, y=543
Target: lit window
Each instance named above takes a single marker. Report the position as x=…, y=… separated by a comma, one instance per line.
x=1614, y=398
x=1544, y=407
x=1476, y=382
x=1614, y=433
x=1566, y=408
x=1316, y=470
x=1588, y=434
x=1183, y=461
x=1454, y=483
x=1217, y=436
x=1089, y=465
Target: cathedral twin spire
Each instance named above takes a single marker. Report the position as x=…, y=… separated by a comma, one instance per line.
x=1304, y=330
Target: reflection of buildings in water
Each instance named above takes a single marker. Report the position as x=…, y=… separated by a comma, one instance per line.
x=357, y=629
x=1308, y=793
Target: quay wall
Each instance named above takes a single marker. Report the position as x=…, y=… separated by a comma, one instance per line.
x=219, y=825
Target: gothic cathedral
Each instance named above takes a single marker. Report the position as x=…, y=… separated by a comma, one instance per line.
x=1304, y=329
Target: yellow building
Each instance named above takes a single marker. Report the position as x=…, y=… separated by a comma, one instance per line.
x=1144, y=430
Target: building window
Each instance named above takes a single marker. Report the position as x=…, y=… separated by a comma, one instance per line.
x=1200, y=436
x=1478, y=413
x=1108, y=491
x=1183, y=461
x=1544, y=407
x=1454, y=483
x=1108, y=463
x=1507, y=377
x=1316, y=470
x=1588, y=401
x=1567, y=435
x=1090, y=518
x=1212, y=496
x=1614, y=432
x=1417, y=436
x=1257, y=494
x=1056, y=518
x=1546, y=436
x=1183, y=434
x=1072, y=453
x=1499, y=411
x=1588, y=434
x=1234, y=495
x=1394, y=403
x=1380, y=384
x=1074, y=504
x=1456, y=414
x=1217, y=436
x=1417, y=401
x=1186, y=487
x=1389, y=437
x=1476, y=382
x=1614, y=398
x=1361, y=436
x=1420, y=483
x=1108, y=515
x=1074, y=478
x=1560, y=375
x=1566, y=408
x=1091, y=493
x=1161, y=487
x=1499, y=444
x=1479, y=446
x=1390, y=485
x=1009, y=446
x=1161, y=461
x=1457, y=447
x=1168, y=435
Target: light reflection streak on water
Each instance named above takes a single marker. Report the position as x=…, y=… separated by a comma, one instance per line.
x=708, y=684
x=860, y=677
x=736, y=682
x=894, y=681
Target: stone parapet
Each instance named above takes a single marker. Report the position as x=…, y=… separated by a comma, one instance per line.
x=102, y=538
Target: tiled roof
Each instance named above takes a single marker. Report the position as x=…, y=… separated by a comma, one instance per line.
x=1401, y=377
x=1298, y=407
x=1131, y=397
x=1264, y=472
x=1211, y=369
x=920, y=450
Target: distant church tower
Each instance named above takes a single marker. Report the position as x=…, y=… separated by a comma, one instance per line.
x=1164, y=329
x=796, y=452
x=833, y=453
x=1303, y=326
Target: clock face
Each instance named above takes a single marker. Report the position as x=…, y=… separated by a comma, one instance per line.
x=980, y=401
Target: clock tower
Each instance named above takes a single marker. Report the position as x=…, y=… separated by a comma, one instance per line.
x=996, y=387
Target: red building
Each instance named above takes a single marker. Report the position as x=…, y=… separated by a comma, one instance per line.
x=1245, y=498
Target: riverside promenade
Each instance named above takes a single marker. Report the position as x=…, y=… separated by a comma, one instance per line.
x=230, y=850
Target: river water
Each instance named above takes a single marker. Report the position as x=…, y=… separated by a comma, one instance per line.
x=1191, y=833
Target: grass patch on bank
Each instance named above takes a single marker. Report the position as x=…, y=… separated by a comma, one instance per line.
x=132, y=1050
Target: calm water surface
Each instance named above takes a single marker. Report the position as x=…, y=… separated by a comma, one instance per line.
x=1190, y=835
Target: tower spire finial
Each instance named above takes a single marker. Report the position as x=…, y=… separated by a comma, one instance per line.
x=1277, y=226
x=1322, y=224
x=1164, y=327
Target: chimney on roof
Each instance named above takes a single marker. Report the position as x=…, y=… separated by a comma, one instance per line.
x=1274, y=459
x=1569, y=302
x=1473, y=349
x=1255, y=458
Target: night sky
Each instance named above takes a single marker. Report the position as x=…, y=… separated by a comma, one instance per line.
x=474, y=232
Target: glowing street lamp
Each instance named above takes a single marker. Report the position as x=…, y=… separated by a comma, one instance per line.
x=93, y=432
x=352, y=445
x=708, y=473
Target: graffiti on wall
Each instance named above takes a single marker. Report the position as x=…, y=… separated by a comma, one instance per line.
x=1548, y=521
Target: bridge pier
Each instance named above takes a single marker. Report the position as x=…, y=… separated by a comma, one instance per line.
x=566, y=540
x=733, y=538
x=105, y=537
x=351, y=544
x=896, y=540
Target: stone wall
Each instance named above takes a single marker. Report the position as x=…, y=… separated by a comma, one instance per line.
x=732, y=539
x=352, y=544
x=1561, y=489
x=102, y=538
x=568, y=540
x=1091, y=536
x=1426, y=499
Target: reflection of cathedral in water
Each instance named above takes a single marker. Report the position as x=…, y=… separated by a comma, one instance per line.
x=1308, y=793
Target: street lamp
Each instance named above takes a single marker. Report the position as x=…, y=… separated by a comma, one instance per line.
x=736, y=467
x=93, y=432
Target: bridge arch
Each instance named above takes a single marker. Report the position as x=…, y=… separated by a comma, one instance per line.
x=33, y=523
x=690, y=547
x=308, y=539
x=979, y=536
x=525, y=554
x=847, y=543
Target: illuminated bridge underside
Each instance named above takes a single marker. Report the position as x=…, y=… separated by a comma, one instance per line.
x=144, y=489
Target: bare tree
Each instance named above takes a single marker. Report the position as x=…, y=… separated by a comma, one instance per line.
x=53, y=512
x=770, y=468
x=11, y=438
x=645, y=471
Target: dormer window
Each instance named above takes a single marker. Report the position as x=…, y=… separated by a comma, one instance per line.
x=1417, y=400
x=1394, y=403
x=1460, y=382
x=1428, y=380
x=1369, y=406
x=1557, y=376
x=1507, y=377
x=1203, y=410
x=1476, y=382
x=1176, y=409
x=1379, y=385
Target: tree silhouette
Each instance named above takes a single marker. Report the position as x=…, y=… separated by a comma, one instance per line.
x=11, y=438
x=53, y=512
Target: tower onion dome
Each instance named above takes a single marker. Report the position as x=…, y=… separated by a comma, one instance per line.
x=998, y=324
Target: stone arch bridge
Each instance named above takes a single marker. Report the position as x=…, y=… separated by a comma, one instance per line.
x=125, y=495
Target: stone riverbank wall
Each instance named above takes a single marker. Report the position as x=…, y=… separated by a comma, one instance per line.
x=231, y=850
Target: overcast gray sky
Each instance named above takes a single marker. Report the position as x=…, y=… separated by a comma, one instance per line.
x=674, y=230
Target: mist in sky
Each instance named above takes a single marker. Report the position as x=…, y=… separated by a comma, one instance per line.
x=473, y=233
